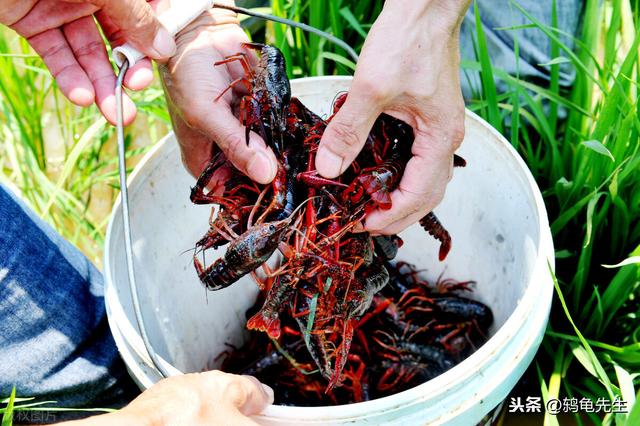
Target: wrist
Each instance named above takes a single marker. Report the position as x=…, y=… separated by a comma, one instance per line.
x=216, y=16
x=213, y=17
x=435, y=16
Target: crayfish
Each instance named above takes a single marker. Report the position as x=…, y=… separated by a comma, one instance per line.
x=327, y=277
x=412, y=331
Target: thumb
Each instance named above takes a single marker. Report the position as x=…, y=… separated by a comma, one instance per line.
x=248, y=395
x=346, y=134
x=139, y=25
x=255, y=159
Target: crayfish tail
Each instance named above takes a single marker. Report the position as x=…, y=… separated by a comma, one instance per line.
x=459, y=161
x=445, y=248
x=269, y=325
x=432, y=225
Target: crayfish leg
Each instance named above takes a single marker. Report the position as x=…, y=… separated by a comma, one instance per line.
x=342, y=353
x=240, y=57
x=244, y=80
x=312, y=178
x=253, y=45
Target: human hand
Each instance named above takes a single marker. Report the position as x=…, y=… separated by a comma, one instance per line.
x=192, y=84
x=408, y=68
x=211, y=398
x=64, y=34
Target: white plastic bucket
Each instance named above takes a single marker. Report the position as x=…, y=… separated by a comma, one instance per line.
x=501, y=239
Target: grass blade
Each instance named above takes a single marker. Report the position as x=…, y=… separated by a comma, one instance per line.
x=486, y=73
x=628, y=261
x=597, y=146
x=592, y=358
x=7, y=417
x=310, y=320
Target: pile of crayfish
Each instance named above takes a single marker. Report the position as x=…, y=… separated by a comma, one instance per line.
x=328, y=276
x=412, y=332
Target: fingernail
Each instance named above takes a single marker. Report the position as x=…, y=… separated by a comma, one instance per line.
x=269, y=392
x=164, y=44
x=261, y=168
x=328, y=163
x=82, y=96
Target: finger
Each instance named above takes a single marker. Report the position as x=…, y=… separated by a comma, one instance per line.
x=89, y=50
x=259, y=396
x=421, y=188
x=346, y=134
x=51, y=14
x=139, y=25
x=72, y=80
x=111, y=30
x=400, y=225
x=255, y=159
x=407, y=209
x=12, y=12
x=244, y=393
x=139, y=76
x=197, y=150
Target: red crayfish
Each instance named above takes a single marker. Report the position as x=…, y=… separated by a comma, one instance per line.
x=412, y=332
x=327, y=277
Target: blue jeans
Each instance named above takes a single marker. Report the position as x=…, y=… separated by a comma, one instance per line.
x=55, y=342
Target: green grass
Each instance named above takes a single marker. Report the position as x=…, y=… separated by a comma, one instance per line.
x=309, y=55
x=582, y=145
x=43, y=411
x=588, y=167
x=60, y=158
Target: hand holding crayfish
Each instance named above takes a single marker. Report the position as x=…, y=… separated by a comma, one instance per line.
x=408, y=68
x=192, y=83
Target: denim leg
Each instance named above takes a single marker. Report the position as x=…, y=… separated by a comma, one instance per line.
x=55, y=342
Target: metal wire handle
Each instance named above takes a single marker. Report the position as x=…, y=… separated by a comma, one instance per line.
x=304, y=27
x=122, y=169
x=128, y=246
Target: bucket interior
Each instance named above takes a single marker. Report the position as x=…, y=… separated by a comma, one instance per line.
x=489, y=210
